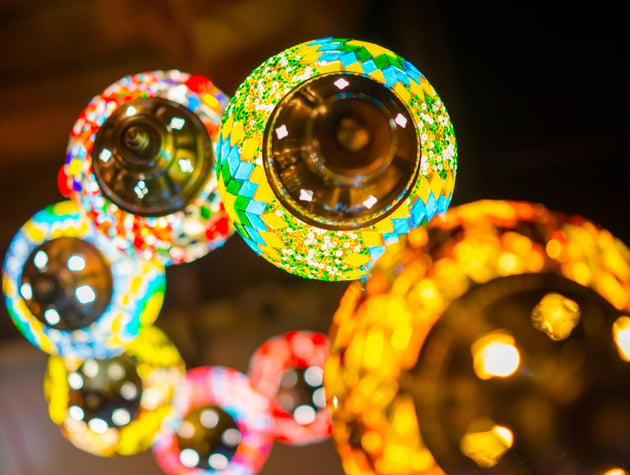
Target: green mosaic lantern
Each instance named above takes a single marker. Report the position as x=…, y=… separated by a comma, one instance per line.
x=331, y=150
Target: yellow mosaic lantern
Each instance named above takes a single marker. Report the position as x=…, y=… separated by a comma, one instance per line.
x=115, y=406
x=495, y=340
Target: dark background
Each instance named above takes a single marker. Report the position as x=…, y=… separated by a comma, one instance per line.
x=537, y=94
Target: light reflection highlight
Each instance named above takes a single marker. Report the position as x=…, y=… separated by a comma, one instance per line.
x=495, y=355
x=185, y=165
x=341, y=83
x=486, y=447
x=52, y=316
x=76, y=263
x=40, y=260
x=401, y=120
x=556, y=316
x=26, y=291
x=177, y=123
x=282, y=132
x=621, y=336
x=105, y=155
x=85, y=294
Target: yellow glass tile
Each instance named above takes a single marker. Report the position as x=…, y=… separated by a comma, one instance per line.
x=264, y=193
x=377, y=75
x=210, y=100
x=151, y=309
x=226, y=127
x=74, y=167
x=249, y=149
x=374, y=49
x=403, y=93
x=228, y=199
x=329, y=67
x=271, y=239
x=273, y=221
x=385, y=225
x=237, y=133
x=436, y=184
x=372, y=238
x=401, y=211
x=271, y=252
x=356, y=260
x=355, y=68
x=34, y=233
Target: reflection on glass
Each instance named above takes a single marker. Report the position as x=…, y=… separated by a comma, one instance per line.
x=163, y=157
x=208, y=438
x=486, y=446
x=338, y=151
x=556, y=316
x=66, y=283
x=621, y=336
x=495, y=355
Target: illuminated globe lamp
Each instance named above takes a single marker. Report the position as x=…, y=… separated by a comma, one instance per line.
x=115, y=406
x=331, y=150
x=140, y=162
x=288, y=369
x=496, y=339
x=71, y=292
x=220, y=424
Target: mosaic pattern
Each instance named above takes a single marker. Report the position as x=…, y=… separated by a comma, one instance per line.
x=272, y=371
x=267, y=227
x=159, y=367
x=179, y=237
x=138, y=290
x=231, y=391
x=378, y=331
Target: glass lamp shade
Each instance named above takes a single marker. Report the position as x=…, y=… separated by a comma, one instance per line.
x=115, y=406
x=492, y=341
x=220, y=424
x=71, y=292
x=141, y=162
x=329, y=151
x=288, y=369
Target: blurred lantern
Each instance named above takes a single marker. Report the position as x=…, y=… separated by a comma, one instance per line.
x=220, y=425
x=115, y=406
x=140, y=161
x=71, y=292
x=288, y=369
x=492, y=341
x=331, y=150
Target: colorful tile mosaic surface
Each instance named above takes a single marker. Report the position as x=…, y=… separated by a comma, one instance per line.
x=160, y=369
x=138, y=288
x=267, y=227
x=231, y=391
x=381, y=324
x=179, y=237
x=294, y=349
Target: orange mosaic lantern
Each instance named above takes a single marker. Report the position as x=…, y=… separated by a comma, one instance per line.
x=495, y=340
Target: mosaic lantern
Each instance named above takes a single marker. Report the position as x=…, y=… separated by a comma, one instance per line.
x=140, y=162
x=288, y=369
x=219, y=425
x=115, y=406
x=494, y=340
x=71, y=292
x=331, y=150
